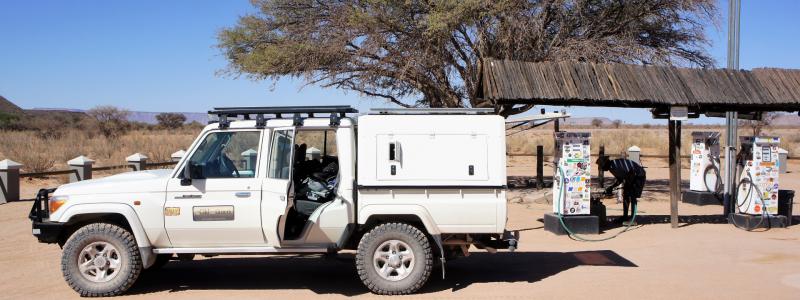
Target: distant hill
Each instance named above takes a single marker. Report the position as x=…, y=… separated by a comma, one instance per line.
x=150, y=117
x=784, y=119
x=586, y=121
x=8, y=107
x=135, y=116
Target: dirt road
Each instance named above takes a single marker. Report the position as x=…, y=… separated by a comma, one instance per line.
x=653, y=261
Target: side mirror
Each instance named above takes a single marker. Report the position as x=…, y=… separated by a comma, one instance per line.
x=191, y=171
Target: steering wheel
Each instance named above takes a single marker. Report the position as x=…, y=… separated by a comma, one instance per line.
x=228, y=164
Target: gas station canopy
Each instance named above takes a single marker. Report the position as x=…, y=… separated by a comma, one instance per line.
x=625, y=85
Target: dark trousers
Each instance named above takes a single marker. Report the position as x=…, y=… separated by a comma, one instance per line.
x=627, y=202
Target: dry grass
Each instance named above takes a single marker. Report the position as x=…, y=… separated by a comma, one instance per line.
x=652, y=141
x=38, y=153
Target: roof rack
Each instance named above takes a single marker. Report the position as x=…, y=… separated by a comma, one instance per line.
x=431, y=111
x=336, y=113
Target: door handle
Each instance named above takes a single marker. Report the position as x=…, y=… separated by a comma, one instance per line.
x=242, y=194
x=189, y=197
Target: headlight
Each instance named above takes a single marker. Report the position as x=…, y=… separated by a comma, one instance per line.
x=55, y=202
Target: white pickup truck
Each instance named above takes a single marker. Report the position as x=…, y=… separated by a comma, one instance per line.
x=402, y=188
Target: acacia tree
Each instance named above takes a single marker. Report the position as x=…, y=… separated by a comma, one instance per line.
x=758, y=125
x=428, y=53
x=171, y=120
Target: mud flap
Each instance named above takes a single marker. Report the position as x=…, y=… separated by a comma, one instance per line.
x=438, y=239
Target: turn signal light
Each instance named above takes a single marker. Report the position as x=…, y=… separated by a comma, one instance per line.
x=56, y=202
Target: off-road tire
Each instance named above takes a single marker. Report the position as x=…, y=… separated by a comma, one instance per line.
x=417, y=241
x=115, y=235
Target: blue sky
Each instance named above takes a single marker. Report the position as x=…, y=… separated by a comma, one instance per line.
x=160, y=56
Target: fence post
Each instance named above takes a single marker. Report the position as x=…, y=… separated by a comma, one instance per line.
x=539, y=166
x=138, y=161
x=249, y=157
x=82, y=166
x=9, y=180
x=177, y=155
x=600, y=173
x=634, y=153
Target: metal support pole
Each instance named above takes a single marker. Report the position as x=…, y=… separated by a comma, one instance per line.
x=600, y=173
x=731, y=117
x=729, y=178
x=539, y=166
x=674, y=170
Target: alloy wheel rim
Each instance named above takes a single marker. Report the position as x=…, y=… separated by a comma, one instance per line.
x=393, y=260
x=99, y=262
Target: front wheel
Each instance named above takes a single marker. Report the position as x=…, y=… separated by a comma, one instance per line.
x=101, y=260
x=394, y=259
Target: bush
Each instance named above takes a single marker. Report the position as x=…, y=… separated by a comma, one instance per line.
x=9, y=121
x=112, y=121
x=171, y=120
x=597, y=122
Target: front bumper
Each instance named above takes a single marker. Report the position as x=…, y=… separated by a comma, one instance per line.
x=43, y=229
x=47, y=232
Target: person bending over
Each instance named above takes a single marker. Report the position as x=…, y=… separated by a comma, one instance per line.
x=630, y=175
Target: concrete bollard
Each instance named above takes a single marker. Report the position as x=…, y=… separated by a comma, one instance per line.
x=82, y=166
x=634, y=153
x=9, y=180
x=138, y=161
x=313, y=154
x=249, y=156
x=177, y=155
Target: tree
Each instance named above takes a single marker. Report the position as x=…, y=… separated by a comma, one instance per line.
x=171, y=120
x=429, y=53
x=617, y=123
x=112, y=121
x=756, y=126
x=597, y=122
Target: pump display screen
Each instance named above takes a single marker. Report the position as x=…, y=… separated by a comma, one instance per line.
x=766, y=154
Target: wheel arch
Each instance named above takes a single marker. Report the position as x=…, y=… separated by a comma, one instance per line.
x=372, y=215
x=120, y=214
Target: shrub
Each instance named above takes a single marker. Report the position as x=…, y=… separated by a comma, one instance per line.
x=171, y=120
x=112, y=121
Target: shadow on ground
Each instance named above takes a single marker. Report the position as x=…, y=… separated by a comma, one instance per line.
x=338, y=275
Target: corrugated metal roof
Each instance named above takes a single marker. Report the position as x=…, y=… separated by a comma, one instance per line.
x=624, y=85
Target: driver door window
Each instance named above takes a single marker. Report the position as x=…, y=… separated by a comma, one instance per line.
x=228, y=154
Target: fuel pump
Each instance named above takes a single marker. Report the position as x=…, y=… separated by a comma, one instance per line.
x=573, y=213
x=705, y=181
x=572, y=173
x=757, y=188
x=704, y=170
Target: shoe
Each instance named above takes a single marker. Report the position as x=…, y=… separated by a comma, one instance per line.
x=629, y=223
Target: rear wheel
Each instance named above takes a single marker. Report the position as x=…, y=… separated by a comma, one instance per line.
x=101, y=260
x=394, y=259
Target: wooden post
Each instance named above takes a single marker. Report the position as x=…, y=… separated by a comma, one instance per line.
x=539, y=166
x=600, y=173
x=674, y=171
